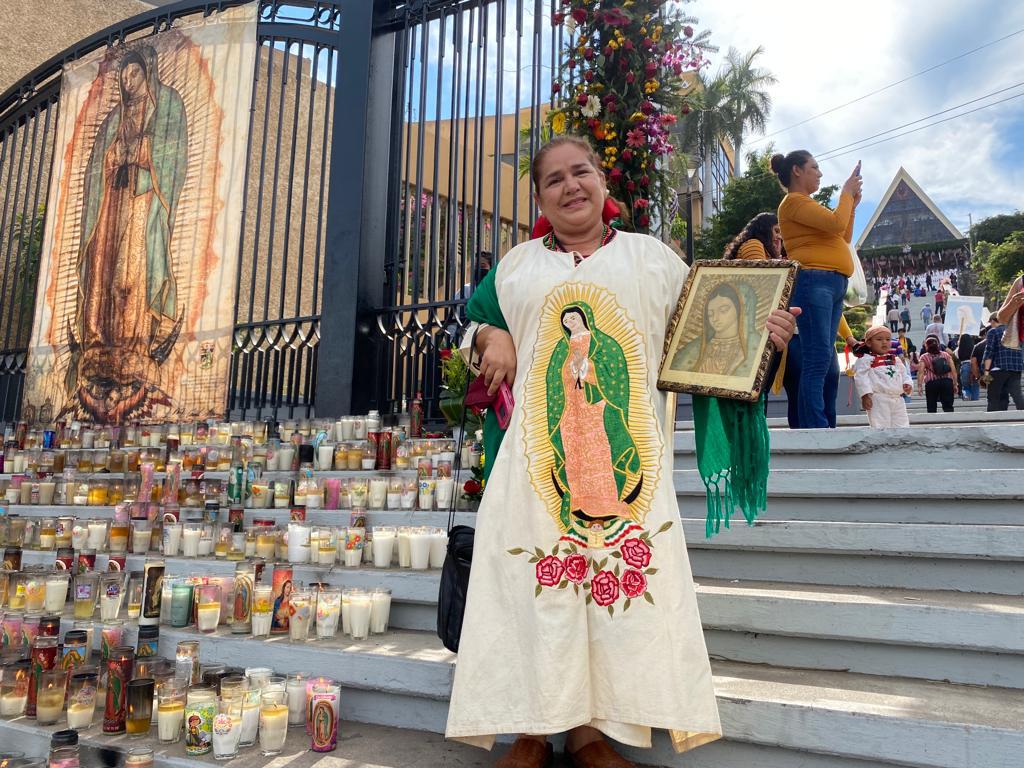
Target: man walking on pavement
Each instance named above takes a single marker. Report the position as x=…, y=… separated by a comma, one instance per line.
x=926, y=314
x=1003, y=366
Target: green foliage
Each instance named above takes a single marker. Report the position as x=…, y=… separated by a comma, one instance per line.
x=996, y=266
x=997, y=229
x=678, y=229
x=622, y=84
x=27, y=236
x=756, y=191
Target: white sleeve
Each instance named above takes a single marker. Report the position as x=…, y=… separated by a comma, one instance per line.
x=862, y=375
x=466, y=346
x=906, y=372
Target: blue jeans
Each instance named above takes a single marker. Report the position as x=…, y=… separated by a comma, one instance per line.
x=791, y=381
x=970, y=391
x=819, y=293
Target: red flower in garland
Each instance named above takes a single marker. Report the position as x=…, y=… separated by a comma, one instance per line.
x=636, y=138
x=643, y=220
x=615, y=176
x=446, y=354
x=557, y=18
x=556, y=87
x=472, y=487
x=688, y=30
x=582, y=99
x=630, y=78
x=614, y=17
x=579, y=15
x=641, y=202
x=627, y=155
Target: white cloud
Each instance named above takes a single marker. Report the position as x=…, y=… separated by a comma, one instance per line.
x=824, y=54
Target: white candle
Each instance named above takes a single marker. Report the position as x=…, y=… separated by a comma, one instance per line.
x=19, y=463
x=140, y=540
x=404, y=553
x=56, y=595
x=109, y=607
x=285, y=456
x=314, y=497
x=172, y=539
x=169, y=716
x=445, y=487
x=261, y=624
x=205, y=545
x=346, y=616
x=296, y=688
x=383, y=547
x=394, y=499
x=273, y=727
x=419, y=547
x=359, y=609
x=380, y=611
x=408, y=498
x=378, y=493
x=80, y=715
x=208, y=616
x=250, y=724
x=227, y=732
x=298, y=622
x=46, y=492
x=49, y=705
x=11, y=704
x=298, y=543
x=97, y=535
x=438, y=547
x=353, y=557
x=426, y=494
x=190, y=542
x=325, y=456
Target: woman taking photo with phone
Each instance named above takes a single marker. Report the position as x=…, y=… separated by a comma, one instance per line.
x=818, y=238
x=580, y=578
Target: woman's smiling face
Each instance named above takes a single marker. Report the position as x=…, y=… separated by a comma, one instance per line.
x=571, y=191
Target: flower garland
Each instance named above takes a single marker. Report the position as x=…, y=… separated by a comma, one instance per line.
x=622, y=81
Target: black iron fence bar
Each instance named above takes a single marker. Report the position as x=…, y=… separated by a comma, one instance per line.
x=281, y=276
x=262, y=175
x=240, y=327
x=305, y=178
x=499, y=99
x=455, y=203
x=437, y=262
x=322, y=196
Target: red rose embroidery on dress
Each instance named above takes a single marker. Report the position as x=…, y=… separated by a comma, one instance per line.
x=605, y=588
x=549, y=571
x=634, y=583
x=636, y=553
x=576, y=568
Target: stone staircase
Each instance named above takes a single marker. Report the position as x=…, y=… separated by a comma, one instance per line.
x=874, y=617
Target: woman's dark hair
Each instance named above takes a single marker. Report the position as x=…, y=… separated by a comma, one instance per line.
x=783, y=165
x=579, y=312
x=133, y=57
x=758, y=228
x=931, y=345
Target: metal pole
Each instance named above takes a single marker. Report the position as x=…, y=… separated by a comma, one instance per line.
x=358, y=164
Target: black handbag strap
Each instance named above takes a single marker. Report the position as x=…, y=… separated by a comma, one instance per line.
x=457, y=469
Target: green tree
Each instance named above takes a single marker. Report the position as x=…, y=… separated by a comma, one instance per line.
x=998, y=265
x=996, y=229
x=706, y=122
x=747, y=102
x=756, y=191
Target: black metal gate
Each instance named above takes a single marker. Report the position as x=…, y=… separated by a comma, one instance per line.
x=367, y=232
x=470, y=84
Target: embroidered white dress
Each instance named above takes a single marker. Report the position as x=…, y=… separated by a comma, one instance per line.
x=581, y=607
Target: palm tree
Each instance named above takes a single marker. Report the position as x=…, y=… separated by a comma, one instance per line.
x=703, y=128
x=748, y=103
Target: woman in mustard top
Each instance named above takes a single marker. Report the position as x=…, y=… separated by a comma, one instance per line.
x=817, y=238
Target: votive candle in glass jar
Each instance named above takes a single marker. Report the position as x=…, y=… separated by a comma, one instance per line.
x=360, y=607
x=262, y=610
x=119, y=672
x=328, y=612
x=51, y=690
x=227, y=727
x=140, y=706
x=300, y=612
x=380, y=610
x=82, y=693
x=383, y=545
x=200, y=709
x=170, y=712
x=208, y=605
x=56, y=592
x=86, y=594
x=14, y=682
x=273, y=722
x=295, y=686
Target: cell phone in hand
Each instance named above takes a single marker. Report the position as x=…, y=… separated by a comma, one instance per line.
x=856, y=170
x=503, y=405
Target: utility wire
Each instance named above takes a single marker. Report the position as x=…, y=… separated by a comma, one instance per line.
x=929, y=125
x=887, y=87
x=926, y=117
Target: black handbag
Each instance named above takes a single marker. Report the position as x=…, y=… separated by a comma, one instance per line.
x=451, y=596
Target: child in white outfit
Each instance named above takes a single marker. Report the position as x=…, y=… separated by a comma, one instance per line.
x=882, y=379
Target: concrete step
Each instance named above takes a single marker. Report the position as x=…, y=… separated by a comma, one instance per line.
x=958, y=637
x=984, y=446
x=404, y=679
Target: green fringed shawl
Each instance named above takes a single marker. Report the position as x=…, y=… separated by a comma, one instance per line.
x=732, y=458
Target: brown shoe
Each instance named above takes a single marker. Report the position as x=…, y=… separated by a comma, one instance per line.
x=599, y=754
x=526, y=753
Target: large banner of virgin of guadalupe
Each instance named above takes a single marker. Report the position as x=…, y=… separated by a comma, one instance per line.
x=134, y=309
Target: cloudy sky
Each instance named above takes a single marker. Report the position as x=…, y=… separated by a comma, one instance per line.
x=825, y=54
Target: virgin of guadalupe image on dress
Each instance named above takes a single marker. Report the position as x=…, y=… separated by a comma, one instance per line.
x=597, y=469
x=127, y=317
x=728, y=343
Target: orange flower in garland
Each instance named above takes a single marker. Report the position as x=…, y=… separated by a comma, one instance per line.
x=624, y=64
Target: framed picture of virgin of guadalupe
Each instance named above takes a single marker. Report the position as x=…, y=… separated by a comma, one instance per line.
x=716, y=343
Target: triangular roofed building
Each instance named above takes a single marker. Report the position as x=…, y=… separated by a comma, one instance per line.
x=908, y=233
x=907, y=216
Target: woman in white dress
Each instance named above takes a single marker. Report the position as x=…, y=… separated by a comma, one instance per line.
x=581, y=614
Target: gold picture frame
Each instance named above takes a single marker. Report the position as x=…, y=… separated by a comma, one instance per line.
x=716, y=343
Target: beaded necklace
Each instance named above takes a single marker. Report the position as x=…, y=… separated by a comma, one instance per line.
x=551, y=243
